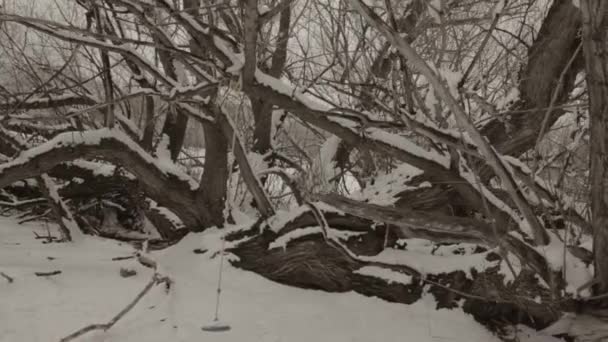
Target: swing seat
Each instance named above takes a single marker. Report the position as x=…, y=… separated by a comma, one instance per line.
x=216, y=326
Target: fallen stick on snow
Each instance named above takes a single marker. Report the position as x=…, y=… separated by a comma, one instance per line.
x=47, y=274
x=156, y=279
x=123, y=258
x=6, y=276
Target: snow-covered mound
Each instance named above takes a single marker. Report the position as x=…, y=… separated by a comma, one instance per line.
x=91, y=290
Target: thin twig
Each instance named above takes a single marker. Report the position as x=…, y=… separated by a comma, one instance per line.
x=47, y=274
x=156, y=279
x=123, y=258
x=7, y=277
x=458, y=292
x=479, y=51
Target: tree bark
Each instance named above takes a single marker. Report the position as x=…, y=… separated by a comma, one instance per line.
x=548, y=57
x=595, y=45
x=147, y=140
x=214, y=181
x=311, y=262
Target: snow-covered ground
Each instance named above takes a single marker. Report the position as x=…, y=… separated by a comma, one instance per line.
x=90, y=290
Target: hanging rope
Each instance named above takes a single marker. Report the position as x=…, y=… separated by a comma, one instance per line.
x=227, y=212
x=219, y=282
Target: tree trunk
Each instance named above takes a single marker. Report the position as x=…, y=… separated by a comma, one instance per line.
x=595, y=45
x=147, y=140
x=262, y=110
x=214, y=181
x=175, y=128
x=548, y=60
x=311, y=262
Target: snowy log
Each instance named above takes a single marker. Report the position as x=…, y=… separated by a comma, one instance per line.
x=310, y=262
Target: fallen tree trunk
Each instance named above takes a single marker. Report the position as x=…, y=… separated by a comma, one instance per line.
x=312, y=263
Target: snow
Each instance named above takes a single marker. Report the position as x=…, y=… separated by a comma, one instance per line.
x=409, y=146
x=275, y=125
x=526, y=334
x=131, y=126
x=452, y=78
x=576, y=272
x=257, y=162
x=430, y=100
x=282, y=217
x=263, y=9
x=386, y=187
x=510, y=161
x=90, y=290
x=511, y=97
x=434, y=7
x=468, y=175
x=283, y=240
x=237, y=60
x=162, y=149
x=182, y=78
x=284, y=88
x=385, y=274
x=98, y=169
x=326, y=157
x=168, y=214
x=433, y=264
x=46, y=309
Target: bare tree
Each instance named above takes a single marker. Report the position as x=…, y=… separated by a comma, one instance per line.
x=404, y=115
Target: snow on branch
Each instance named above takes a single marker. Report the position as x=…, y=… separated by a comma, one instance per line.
x=437, y=228
x=162, y=180
x=29, y=127
x=94, y=144
x=37, y=101
x=283, y=240
x=413, y=223
x=385, y=274
x=389, y=187
x=405, y=49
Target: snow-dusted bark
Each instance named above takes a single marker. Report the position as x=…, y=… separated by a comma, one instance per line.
x=434, y=227
x=162, y=180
